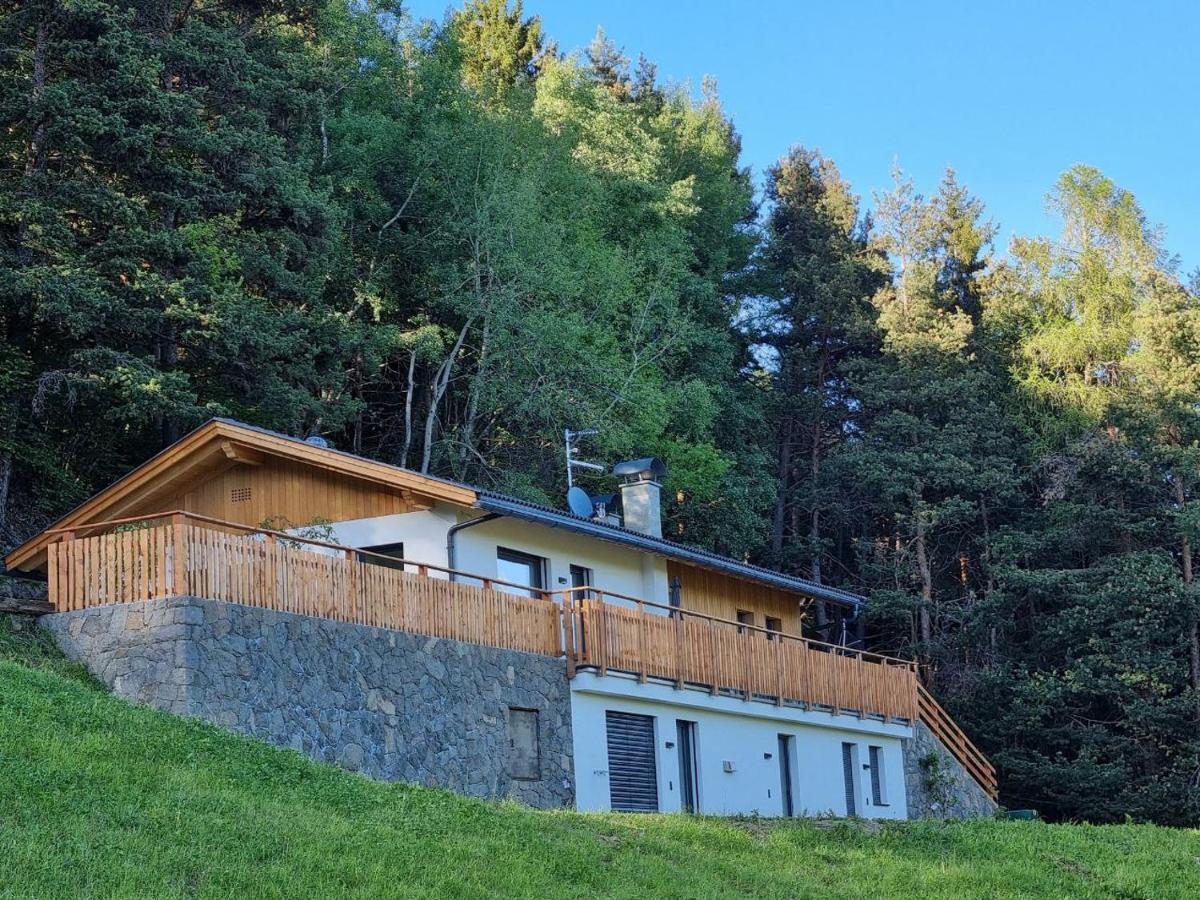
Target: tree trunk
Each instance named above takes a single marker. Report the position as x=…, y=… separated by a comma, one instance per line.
x=6, y=468
x=925, y=617
x=1193, y=626
x=408, y=408
x=437, y=391
x=785, y=467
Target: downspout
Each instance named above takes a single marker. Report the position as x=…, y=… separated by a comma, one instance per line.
x=453, y=531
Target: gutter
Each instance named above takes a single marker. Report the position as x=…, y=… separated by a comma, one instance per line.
x=452, y=533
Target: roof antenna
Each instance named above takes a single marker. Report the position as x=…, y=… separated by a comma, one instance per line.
x=573, y=463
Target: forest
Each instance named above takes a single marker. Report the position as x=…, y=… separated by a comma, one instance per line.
x=438, y=244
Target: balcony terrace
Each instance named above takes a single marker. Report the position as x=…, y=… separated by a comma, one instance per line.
x=178, y=553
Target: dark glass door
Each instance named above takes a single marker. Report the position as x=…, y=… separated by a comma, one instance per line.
x=688, y=788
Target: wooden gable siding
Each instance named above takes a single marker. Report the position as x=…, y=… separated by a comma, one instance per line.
x=290, y=493
x=723, y=595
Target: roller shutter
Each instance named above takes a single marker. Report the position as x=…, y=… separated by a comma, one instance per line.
x=632, y=773
x=848, y=775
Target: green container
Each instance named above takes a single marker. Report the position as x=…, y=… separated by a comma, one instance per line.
x=1023, y=815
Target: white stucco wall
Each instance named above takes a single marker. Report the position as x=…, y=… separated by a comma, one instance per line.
x=742, y=733
x=615, y=568
x=423, y=533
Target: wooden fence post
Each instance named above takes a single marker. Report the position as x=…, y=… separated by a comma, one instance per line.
x=568, y=614
x=641, y=611
x=70, y=580
x=179, y=538
x=679, y=648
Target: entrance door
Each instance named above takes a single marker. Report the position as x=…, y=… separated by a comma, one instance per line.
x=689, y=789
x=786, y=742
x=632, y=772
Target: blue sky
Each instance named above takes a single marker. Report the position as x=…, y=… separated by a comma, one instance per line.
x=1009, y=94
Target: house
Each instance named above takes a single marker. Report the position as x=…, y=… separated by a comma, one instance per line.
x=413, y=627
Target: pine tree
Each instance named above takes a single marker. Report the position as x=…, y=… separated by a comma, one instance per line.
x=819, y=275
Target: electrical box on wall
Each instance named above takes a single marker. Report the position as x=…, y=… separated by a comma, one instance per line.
x=727, y=765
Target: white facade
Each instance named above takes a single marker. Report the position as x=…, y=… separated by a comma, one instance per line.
x=737, y=751
x=737, y=748
x=425, y=534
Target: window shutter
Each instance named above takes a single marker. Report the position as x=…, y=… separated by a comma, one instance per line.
x=632, y=773
x=848, y=775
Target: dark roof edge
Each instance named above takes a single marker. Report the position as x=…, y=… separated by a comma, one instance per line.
x=663, y=547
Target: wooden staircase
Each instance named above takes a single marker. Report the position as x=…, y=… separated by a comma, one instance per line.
x=946, y=730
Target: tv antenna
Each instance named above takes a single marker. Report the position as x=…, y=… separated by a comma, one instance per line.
x=572, y=463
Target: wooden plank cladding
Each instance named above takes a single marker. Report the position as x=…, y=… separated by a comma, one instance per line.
x=288, y=494
x=696, y=649
x=291, y=575
x=722, y=596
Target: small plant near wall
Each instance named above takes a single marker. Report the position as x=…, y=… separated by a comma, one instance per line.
x=939, y=784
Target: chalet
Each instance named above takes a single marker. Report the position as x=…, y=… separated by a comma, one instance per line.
x=620, y=670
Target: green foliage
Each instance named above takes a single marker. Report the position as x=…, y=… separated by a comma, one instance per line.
x=440, y=245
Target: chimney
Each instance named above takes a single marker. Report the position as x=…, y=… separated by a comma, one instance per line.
x=640, y=489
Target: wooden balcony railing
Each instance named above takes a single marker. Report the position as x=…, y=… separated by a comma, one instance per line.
x=185, y=554
x=956, y=741
x=609, y=631
x=179, y=553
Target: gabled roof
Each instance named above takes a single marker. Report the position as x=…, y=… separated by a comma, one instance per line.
x=216, y=445
x=220, y=443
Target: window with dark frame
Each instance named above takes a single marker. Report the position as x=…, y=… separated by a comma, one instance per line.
x=581, y=577
x=520, y=569
x=774, y=625
x=878, y=785
x=389, y=556
x=744, y=617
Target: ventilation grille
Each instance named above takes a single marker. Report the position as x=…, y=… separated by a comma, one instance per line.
x=239, y=494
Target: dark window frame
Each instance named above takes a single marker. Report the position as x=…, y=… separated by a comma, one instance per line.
x=587, y=579
x=536, y=564
x=774, y=628
x=878, y=787
x=744, y=625
x=364, y=555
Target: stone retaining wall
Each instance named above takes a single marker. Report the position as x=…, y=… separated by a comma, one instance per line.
x=391, y=705
x=944, y=791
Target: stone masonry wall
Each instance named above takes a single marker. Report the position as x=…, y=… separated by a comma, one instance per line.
x=958, y=796
x=392, y=705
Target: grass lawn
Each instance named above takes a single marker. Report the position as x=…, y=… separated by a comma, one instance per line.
x=104, y=799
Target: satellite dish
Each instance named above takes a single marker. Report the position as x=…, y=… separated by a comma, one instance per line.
x=579, y=502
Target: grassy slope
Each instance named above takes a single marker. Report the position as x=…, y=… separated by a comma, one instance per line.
x=101, y=798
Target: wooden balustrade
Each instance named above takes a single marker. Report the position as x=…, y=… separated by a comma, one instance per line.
x=296, y=575
x=652, y=640
x=182, y=553
x=954, y=739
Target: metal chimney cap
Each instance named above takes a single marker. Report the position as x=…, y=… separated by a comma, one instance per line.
x=649, y=468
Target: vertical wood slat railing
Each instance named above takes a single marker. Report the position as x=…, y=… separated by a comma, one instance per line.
x=955, y=740
x=652, y=640
x=141, y=560
x=182, y=553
